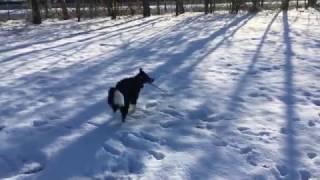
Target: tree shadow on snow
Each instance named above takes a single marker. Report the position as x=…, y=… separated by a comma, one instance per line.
x=177, y=65
x=291, y=152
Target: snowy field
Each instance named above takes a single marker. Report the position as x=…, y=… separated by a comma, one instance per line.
x=243, y=102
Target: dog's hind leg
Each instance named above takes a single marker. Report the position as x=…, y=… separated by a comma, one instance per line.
x=132, y=108
x=124, y=112
x=114, y=108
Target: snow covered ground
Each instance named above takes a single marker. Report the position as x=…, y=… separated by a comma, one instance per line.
x=243, y=102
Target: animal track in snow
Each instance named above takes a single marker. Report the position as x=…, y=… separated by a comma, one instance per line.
x=305, y=175
x=151, y=104
x=264, y=133
x=39, y=123
x=113, y=147
x=252, y=159
x=284, y=130
x=2, y=127
x=149, y=137
x=241, y=129
x=311, y=123
x=172, y=113
x=219, y=142
x=283, y=170
x=134, y=165
x=316, y=102
x=311, y=155
x=168, y=124
x=157, y=155
x=245, y=150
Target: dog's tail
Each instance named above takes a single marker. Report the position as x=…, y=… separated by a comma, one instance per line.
x=115, y=98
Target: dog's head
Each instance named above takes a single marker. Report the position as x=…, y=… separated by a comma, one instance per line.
x=144, y=77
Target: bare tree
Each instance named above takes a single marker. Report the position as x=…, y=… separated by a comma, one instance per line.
x=179, y=7
x=254, y=7
x=212, y=6
x=146, y=8
x=285, y=5
x=36, y=16
x=158, y=7
x=131, y=9
x=206, y=6
x=312, y=3
x=78, y=10
x=111, y=6
x=235, y=6
x=64, y=9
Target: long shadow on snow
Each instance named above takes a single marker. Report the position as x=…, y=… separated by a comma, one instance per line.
x=75, y=80
x=99, y=68
x=64, y=37
x=38, y=148
x=77, y=155
x=177, y=60
x=179, y=143
x=235, y=99
x=234, y=104
x=145, y=23
x=291, y=152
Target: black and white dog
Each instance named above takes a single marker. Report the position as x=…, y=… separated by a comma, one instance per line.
x=126, y=93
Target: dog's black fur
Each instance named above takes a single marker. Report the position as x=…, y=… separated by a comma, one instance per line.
x=130, y=89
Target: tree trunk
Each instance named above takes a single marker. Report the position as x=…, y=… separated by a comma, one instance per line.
x=111, y=5
x=46, y=8
x=146, y=8
x=64, y=9
x=131, y=9
x=213, y=8
x=36, y=17
x=179, y=7
x=305, y=4
x=285, y=5
x=78, y=10
x=206, y=6
x=158, y=7
x=312, y=3
x=165, y=6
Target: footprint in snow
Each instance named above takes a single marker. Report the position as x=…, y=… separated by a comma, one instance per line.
x=169, y=124
x=284, y=130
x=316, y=102
x=39, y=123
x=311, y=123
x=157, y=155
x=264, y=133
x=311, y=155
x=149, y=137
x=219, y=142
x=245, y=150
x=172, y=113
x=114, y=147
x=305, y=175
x=283, y=170
x=151, y=104
x=241, y=129
x=252, y=159
x=2, y=127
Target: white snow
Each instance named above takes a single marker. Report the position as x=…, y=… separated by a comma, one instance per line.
x=243, y=99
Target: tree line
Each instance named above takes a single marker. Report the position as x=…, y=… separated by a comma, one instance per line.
x=112, y=8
